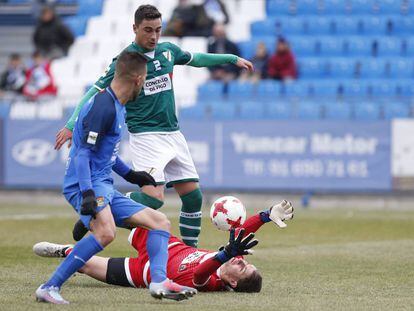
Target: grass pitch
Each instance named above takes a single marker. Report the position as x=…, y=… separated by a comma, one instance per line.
x=324, y=260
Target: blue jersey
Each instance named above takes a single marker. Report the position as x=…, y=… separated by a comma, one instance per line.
x=95, y=142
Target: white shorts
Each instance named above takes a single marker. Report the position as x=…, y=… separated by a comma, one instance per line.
x=165, y=155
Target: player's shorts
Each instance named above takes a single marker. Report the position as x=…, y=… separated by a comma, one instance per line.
x=121, y=207
x=165, y=155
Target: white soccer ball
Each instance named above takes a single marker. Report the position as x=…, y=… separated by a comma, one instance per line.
x=227, y=212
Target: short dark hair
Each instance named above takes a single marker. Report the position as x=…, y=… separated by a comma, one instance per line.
x=146, y=11
x=250, y=284
x=130, y=63
x=15, y=56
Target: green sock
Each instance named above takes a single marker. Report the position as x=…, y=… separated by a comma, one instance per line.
x=145, y=199
x=190, y=217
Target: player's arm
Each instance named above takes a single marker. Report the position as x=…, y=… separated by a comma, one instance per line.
x=277, y=214
x=65, y=133
x=237, y=246
x=140, y=178
x=96, y=123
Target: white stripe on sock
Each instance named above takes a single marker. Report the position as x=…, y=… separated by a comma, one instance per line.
x=190, y=227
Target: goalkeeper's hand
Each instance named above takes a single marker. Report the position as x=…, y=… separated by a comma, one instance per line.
x=281, y=212
x=89, y=204
x=140, y=178
x=237, y=246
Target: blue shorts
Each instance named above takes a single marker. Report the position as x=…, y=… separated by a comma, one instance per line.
x=121, y=207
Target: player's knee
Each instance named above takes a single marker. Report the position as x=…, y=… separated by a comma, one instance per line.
x=163, y=223
x=106, y=236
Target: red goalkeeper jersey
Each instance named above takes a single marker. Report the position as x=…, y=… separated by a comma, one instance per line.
x=187, y=265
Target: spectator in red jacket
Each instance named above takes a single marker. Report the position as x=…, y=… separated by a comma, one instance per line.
x=39, y=81
x=282, y=65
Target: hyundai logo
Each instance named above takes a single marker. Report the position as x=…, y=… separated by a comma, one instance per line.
x=33, y=152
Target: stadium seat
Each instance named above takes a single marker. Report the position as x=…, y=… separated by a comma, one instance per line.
x=389, y=7
x=405, y=88
x=223, y=111
x=402, y=25
x=307, y=7
x=334, y=7
x=388, y=47
x=194, y=44
x=247, y=49
x=354, y=88
x=77, y=24
x=251, y=110
x=341, y=68
x=264, y=28
x=330, y=46
x=408, y=47
x=278, y=110
x=338, y=111
x=401, y=68
x=312, y=68
x=83, y=47
x=279, y=7
x=289, y=26
x=302, y=45
x=90, y=7
x=240, y=90
x=210, y=90
x=396, y=110
x=296, y=89
x=323, y=88
x=366, y=111
x=358, y=46
x=346, y=25
x=372, y=68
x=308, y=111
x=318, y=25
x=4, y=109
x=195, y=112
x=268, y=89
x=362, y=6
x=374, y=25
x=382, y=88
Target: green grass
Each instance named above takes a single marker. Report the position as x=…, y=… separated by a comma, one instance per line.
x=324, y=260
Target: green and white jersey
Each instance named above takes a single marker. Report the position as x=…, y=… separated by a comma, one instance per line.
x=154, y=109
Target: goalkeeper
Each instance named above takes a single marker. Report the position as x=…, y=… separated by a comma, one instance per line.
x=156, y=143
x=203, y=269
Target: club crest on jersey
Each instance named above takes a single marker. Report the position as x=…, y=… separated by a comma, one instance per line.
x=100, y=201
x=167, y=55
x=92, y=137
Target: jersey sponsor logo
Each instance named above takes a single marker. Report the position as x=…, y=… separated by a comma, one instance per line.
x=157, y=84
x=191, y=258
x=92, y=137
x=33, y=152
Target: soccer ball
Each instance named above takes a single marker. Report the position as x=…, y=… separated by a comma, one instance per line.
x=227, y=212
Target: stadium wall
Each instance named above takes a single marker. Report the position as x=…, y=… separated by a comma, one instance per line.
x=325, y=156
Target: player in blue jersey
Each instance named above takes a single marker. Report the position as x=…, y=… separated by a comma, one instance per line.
x=88, y=186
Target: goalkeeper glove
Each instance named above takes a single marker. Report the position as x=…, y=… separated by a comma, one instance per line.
x=140, y=178
x=89, y=204
x=278, y=213
x=237, y=246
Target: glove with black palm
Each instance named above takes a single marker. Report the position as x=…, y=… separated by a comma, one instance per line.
x=140, y=178
x=237, y=246
x=89, y=204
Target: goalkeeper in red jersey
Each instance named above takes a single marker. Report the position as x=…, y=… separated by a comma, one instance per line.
x=203, y=269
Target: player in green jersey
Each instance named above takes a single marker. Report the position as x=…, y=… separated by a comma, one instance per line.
x=156, y=143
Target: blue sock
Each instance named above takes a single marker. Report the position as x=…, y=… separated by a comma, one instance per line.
x=81, y=253
x=157, y=248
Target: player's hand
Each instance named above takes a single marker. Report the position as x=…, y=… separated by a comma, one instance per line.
x=62, y=136
x=89, y=204
x=244, y=63
x=281, y=212
x=237, y=246
x=140, y=178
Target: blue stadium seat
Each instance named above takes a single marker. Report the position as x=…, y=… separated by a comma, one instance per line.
x=318, y=25
x=389, y=47
x=307, y=7
x=366, y=111
x=279, y=110
x=372, y=68
x=312, y=68
x=323, y=88
x=223, y=111
x=389, y=7
x=4, y=109
x=210, y=90
x=396, y=110
x=354, y=88
x=408, y=47
x=247, y=49
x=330, y=46
x=405, y=88
x=374, y=25
x=296, y=89
x=334, y=7
x=403, y=25
x=308, y=110
x=195, y=112
x=382, y=88
x=279, y=7
x=77, y=24
x=338, y=111
x=268, y=89
x=402, y=68
x=90, y=7
x=264, y=28
x=358, y=46
x=346, y=25
x=341, y=68
x=362, y=6
x=240, y=90
x=302, y=45
x=289, y=26
x=251, y=110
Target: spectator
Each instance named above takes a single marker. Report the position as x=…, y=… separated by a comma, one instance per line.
x=188, y=19
x=216, y=11
x=51, y=38
x=220, y=44
x=39, y=80
x=282, y=65
x=13, y=78
x=259, y=60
